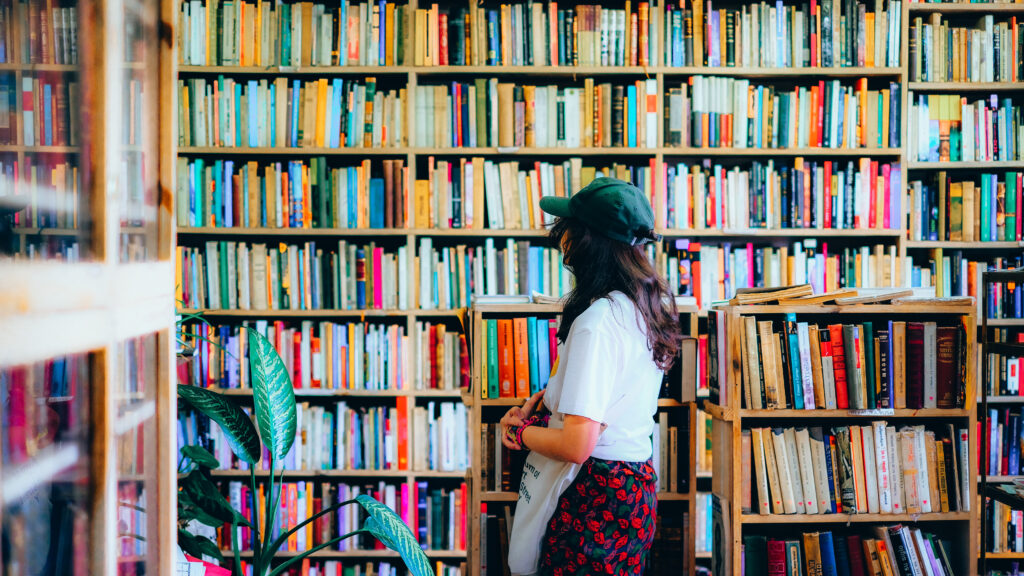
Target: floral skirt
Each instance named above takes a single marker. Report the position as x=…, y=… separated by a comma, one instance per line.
x=604, y=523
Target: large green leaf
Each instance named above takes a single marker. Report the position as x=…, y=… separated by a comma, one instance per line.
x=272, y=396
x=388, y=527
x=198, y=546
x=204, y=494
x=201, y=456
x=237, y=426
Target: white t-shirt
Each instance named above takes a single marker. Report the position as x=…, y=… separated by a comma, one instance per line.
x=606, y=373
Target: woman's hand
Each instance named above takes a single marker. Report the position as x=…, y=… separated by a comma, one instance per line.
x=515, y=417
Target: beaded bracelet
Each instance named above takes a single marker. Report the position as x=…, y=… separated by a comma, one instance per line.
x=515, y=434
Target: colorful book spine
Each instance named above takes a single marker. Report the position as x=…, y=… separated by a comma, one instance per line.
x=539, y=361
x=989, y=51
x=953, y=128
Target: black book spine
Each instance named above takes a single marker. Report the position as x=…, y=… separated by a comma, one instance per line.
x=899, y=548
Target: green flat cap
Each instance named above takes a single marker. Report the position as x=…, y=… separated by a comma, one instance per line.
x=610, y=206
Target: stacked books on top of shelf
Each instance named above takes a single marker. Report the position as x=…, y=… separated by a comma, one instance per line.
x=487, y=112
x=434, y=514
x=45, y=34
x=322, y=356
x=863, y=194
x=861, y=366
x=520, y=354
x=238, y=33
x=291, y=194
x=976, y=208
x=337, y=436
x=873, y=469
x=989, y=51
x=724, y=112
x=278, y=113
x=537, y=34
x=951, y=128
x=899, y=550
x=763, y=34
x=49, y=107
x=710, y=273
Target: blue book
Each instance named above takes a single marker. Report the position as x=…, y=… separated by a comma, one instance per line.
x=828, y=555
x=781, y=38
x=200, y=197
x=229, y=193
x=48, y=113
x=891, y=377
x=353, y=193
x=218, y=202
x=376, y=202
x=794, y=361
x=842, y=555
x=1013, y=458
x=494, y=34
x=361, y=280
x=342, y=46
x=382, y=44
x=715, y=58
x=531, y=335
x=293, y=138
x=543, y=353
x=253, y=112
x=334, y=127
x=631, y=116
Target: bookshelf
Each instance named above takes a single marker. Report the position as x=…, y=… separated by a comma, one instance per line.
x=678, y=503
x=736, y=484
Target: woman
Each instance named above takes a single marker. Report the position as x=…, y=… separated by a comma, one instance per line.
x=618, y=334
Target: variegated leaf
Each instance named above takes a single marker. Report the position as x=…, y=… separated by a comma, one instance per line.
x=273, y=397
x=235, y=423
x=388, y=527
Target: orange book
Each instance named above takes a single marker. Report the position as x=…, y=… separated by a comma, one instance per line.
x=869, y=39
x=521, y=345
x=403, y=432
x=862, y=93
x=812, y=140
x=314, y=349
x=309, y=514
x=506, y=370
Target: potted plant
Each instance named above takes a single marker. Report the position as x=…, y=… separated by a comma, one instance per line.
x=274, y=404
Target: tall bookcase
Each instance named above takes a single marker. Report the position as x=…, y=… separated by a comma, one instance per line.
x=490, y=411
x=732, y=418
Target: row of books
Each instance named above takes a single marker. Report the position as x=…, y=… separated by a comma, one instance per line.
x=322, y=113
x=520, y=355
x=1004, y=370
x=951, y=128
x=335, y=436
x=1004, y=438
x=725, y=112
x=52, y=189
x=778, y=195
x=487, y=112
x=308, y=567
x=871, y=469
x=702, y=442
x=897, y=550
x=770, y=35
x=980, y=208
x=501, y=469
x=672, y=475
x=293, y=194
x=953, y=274
x=1004, y=528
x=238, y=33
x=48, y=106
x=669, y=552
x=436, y=515
x=990, y=51
x=850, y=366
x=44, y=33
x=235, y=275
x=29, y=391
x=332, y=356
x=709, y=273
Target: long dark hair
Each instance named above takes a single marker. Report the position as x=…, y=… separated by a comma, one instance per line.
x=601, y=266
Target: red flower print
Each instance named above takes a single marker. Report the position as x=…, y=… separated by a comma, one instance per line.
x=599, y=538
x=621, y=494
x=636, y=522
x=607, y=515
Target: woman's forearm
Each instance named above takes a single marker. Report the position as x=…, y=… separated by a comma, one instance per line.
x=574, y=442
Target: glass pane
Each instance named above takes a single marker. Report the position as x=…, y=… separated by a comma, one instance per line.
x=137, y=167
x=46, y=491
x=44, y=212
x=135, y=452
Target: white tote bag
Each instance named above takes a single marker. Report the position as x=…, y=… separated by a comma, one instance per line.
x=543, y=482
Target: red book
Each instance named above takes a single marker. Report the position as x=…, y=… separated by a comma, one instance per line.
x=442, y=39
x=915, y=365
x=553, y=344
x=695, y=270
x=827, y=209
x=463, y=362
x=947, y=366
x=521, y=345
x=839, y=365
x=402, y=407
x=856, y=549
x=297, y=355
x=776, y=557
x=314, y=348
x=506, y=370
x=432, y=357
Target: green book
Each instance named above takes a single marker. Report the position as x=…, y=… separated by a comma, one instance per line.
x=755, y=555
x=1011, y=206
x=852, y=373
x=493, y=382
x=481, y=112
x=794, y=558
x=868, y=342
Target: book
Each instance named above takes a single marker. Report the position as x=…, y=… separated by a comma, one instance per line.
x=943, y=129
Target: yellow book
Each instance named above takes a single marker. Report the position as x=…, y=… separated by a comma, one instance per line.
x=478, y=193
x=419, y=47
x=869, y=39
x=587, y=139
x=422, y=203
x=256, y=53
x=321, y=112
x=432, y=49
x=389, y=35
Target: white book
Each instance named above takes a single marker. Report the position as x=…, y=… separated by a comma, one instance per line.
x=923, y=481
x=915, y=564
x=870, y=470
x=805, y=365
x=793, y=460
x=259, y=277
x=212, y=275
x=895, y=470
x=924, y=556
x=760, y=472
x=244, y=282
x=232, y=259
x=821, y=471
x=787, y=485
x=651, y=130
x=965, y=469
x=572, y=117
x=882, y=466
x=426, y=273
x=806, y=461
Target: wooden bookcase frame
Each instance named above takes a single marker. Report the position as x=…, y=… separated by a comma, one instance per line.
x=730, y=420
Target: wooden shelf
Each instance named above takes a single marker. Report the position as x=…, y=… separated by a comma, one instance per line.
x=331, y=393
x=48, y=232
x=290, y=151
x=1004, y=555
x=342, y=474
x=967, y=86
x=997, y=322
x=499, y=496
x=965, y=8
x=360, y=554
x=323, y=313
x=853, y=518
x=959, y=245
x=39, y=149
x=1000, y=478
x=1004, y=400
x=967, y=165
x=703, y=555
x=524, y=151
x=879, y=413
x=16, y=67
x=784, y=152
x=907, y=308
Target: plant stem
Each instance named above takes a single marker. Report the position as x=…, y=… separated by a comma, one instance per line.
x=255, y=519
x=300, y=557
